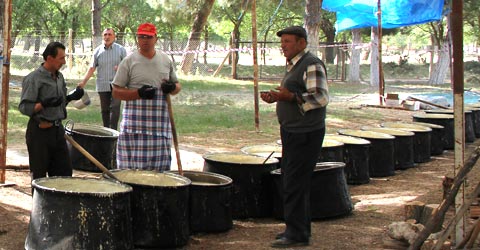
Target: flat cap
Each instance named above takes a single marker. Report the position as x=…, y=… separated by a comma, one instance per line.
x=294, y=30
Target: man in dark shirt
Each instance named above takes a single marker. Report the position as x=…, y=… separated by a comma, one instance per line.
x=44, y=99
x=301, y=100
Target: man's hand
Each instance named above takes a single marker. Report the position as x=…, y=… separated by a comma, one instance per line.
x=75, y=94
x=52, y=101
x=267, y=97
x=168, y=87
x=146, y=92
x=283, y=94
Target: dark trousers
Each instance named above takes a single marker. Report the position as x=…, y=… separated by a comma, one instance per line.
x=300, y=153
x=47, y=151
x=110, y=108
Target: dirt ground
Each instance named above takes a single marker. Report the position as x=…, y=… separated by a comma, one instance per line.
x=376, y=204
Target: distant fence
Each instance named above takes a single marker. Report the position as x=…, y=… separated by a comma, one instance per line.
x=213, y=59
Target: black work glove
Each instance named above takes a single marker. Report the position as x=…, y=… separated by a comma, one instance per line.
x=168, y=87
x=52, y=101
x=75, y=94
x=146, y=92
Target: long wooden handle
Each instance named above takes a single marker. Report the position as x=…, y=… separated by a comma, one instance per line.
x=90, y=157
x=174, y=134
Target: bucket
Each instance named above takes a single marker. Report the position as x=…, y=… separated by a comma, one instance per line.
x=79, y=213
x=159, y=207
x=251, y=196
x=265, y=150
x=332, y=151
x=421, y=140
x=402, y=145
x=469, y=130
x=356, y=158
x=210, y=201
x=437, y=138
x=99, y=141
x=445, y=120
x=82, y=102
x=382, y=157
x=329, y=195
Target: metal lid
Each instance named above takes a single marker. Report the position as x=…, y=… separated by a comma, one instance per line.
x=390, y=131
x=406, y=126
x=432, y=116
x=330, y=143
x=347, y=139
x=239, y=158
x=263, y=150
x=366, y=134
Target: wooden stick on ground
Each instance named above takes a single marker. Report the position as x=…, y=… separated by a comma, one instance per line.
x=426, y=102
x=461, y=211
x=439, y=213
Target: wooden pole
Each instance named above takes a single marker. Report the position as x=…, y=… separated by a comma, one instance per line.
x=174, y=134
x=255, y=64
x=5, y=87
x=89, y=156
x=381, y=81
x=456, y=35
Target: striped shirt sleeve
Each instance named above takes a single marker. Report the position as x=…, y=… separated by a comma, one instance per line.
x=317, y=95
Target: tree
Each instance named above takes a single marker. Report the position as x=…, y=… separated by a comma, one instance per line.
x=313, y=11
x=354, y=70
x=199, y=23
x=97, y=22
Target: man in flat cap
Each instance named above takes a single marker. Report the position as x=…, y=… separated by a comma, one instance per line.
x=301, y=100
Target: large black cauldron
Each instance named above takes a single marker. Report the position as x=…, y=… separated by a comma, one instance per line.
x=159, y=207
x=251, y=181
x=99, y=141
x=210, y=201
x=329, y=195
x=79, y=213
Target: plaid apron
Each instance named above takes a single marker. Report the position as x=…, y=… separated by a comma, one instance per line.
x=145, y=138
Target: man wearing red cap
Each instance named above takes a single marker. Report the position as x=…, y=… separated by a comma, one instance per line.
x=301, y=100
x=144, y=79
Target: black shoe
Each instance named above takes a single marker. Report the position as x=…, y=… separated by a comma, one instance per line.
x=285, y=243
x=279, y=236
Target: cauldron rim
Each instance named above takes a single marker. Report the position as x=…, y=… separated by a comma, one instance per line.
x=431, y=125
x=433, y=116
x=276, y=153
x=329, y=165
x=37, y=185
x=271, y=160
x=391, y=131
x=338, y=143
x=380, y=136
x=407, y=126
x=228, y=180
x=187, y=182
x=343, y=138
x=113, y=133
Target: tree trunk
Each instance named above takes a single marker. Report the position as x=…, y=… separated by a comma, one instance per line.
x=354, y=70
x=96, y=23
x=329, y=30
x=440, y=71
x=199, y=22
x=313, y=10
x=374, y=59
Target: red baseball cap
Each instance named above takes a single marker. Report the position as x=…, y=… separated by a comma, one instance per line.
x=147, y=29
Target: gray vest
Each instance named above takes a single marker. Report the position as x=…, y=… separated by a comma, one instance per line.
x=290, y=115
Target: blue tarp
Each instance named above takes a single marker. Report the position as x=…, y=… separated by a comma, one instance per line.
x=352, y=14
